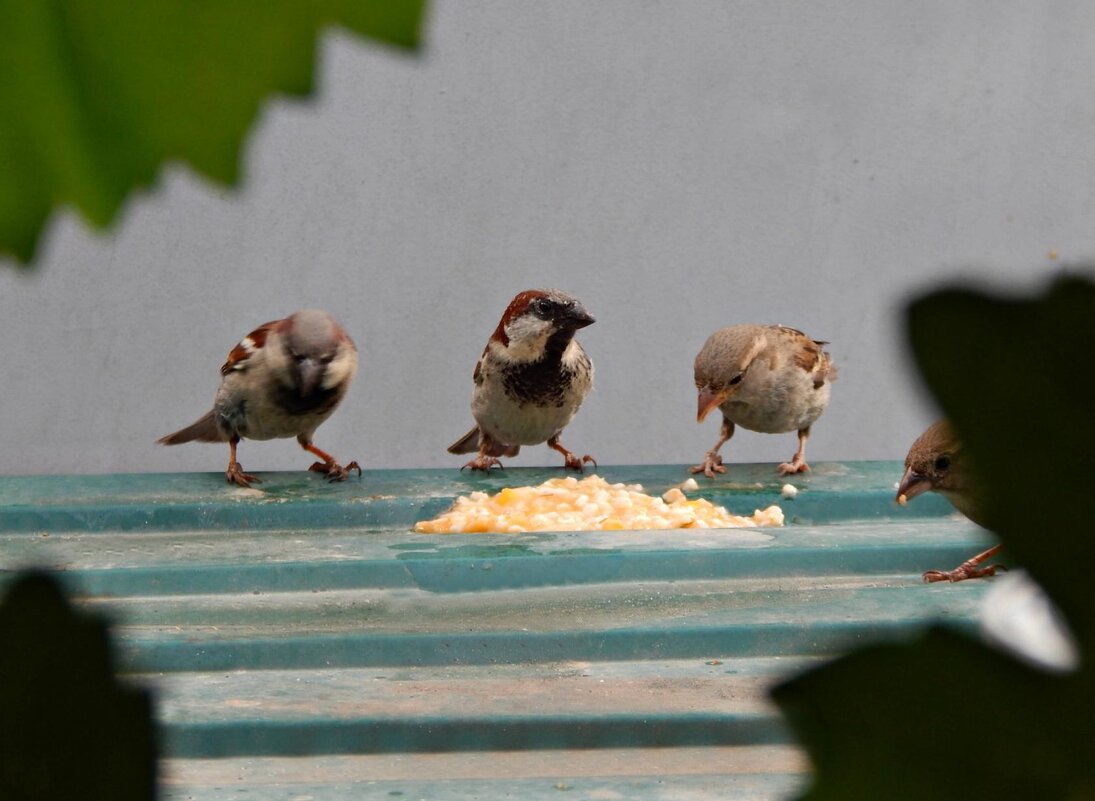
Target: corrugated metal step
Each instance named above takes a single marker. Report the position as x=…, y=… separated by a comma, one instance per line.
x=398, y=498
x=104, y=564
x=741, y=773
x=473, y=708
x=633, y=620
x=306, y=644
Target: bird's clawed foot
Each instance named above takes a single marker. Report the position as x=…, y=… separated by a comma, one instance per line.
x=796, y=465
x=484, y=463
x=235, y=475
x=334, y=471
x=969, y=569
x=712, y=463
x=572, y=462
x=962, y=572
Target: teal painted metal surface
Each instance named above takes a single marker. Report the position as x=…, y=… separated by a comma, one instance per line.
x=307, y=620
x=398, y=498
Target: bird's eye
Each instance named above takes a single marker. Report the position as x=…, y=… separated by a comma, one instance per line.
x=735, y=380
x=542, y=308
x=942, y=463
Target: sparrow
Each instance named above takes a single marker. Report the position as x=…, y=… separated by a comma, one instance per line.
x=767, y=378
x=282, y=380
x=935, y=463
x=529, y=382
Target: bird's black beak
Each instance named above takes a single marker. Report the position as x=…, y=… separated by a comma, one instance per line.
x=912, y=484
x=310, y=373
x=574, y=317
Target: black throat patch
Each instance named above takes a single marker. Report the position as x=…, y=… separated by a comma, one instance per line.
x=543, y=382
x=320, y=401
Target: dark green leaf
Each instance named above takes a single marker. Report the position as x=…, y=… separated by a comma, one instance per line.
x=947, y=717
x=68, y=727
x=942, y=718
x=98, y=94
x=1014, y=377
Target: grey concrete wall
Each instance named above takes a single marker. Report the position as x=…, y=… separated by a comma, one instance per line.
x=679, y=166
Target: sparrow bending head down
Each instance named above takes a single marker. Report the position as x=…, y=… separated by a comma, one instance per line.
x=767, y=378
x=282, y=380
x=937, y=463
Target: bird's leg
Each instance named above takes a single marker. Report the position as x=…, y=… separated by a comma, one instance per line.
x=234, y=474
x=712, y=462
x=798, y=461
x=482, y=462
x=332, y=469
x=969, y=569
x=569, y=459
x=489, y=451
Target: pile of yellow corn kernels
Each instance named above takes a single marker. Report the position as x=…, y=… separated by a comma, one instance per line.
x=592, y=504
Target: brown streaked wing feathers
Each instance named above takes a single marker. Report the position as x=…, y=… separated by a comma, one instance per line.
x=239, y=354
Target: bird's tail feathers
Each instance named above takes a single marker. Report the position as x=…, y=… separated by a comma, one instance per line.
x=203, y=430
x=472, y=442
x=469, y=443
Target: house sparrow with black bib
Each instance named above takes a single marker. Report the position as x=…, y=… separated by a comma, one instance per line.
x=766, y=378
x=529, y=382
x=282, y=380
x=935, y=463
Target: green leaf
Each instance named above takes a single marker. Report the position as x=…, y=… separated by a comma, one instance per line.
x=1014, y=377
x=946, y=717
x=68, y=727
x=98, y=94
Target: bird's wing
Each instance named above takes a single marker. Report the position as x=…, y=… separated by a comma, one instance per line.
x=248, y=346
x=809, y=354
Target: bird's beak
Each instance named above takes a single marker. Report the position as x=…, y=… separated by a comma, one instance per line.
x=912, y=484
x=311, y=372
x=575, y=317
x=708, y=400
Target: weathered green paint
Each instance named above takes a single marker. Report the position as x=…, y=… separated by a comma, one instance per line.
x=307, y=620
x=383, y=499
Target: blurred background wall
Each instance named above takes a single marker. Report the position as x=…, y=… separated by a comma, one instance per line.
x=679, y=166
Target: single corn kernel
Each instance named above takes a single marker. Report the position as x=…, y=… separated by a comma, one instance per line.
x=673, y=495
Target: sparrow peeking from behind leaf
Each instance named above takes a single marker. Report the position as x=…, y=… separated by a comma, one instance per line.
x=766, y=378
x=529, y=382
x=936, y=463
x=282, y=380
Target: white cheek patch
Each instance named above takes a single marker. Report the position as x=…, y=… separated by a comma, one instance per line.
x=572, y=356
x=527, y=326
x=340, y=369
x=528, y=335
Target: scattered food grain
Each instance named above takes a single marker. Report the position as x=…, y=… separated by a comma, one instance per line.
x=592, y=504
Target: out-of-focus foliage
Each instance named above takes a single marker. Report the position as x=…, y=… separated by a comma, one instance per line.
x=97, y=94
x=947, y=717
x=68, y=728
